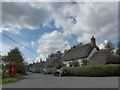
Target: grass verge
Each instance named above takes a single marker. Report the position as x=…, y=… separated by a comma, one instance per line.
x=12, y=80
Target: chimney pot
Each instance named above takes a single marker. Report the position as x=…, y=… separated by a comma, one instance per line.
x=93, y=41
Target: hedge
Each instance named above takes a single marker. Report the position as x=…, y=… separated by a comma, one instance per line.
x=94, y=71
x=52, y=70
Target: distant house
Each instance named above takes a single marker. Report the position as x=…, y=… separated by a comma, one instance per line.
x=90, y=52
x=52, y=62
x=35, y=67
x=80, y=52
x=104, y=57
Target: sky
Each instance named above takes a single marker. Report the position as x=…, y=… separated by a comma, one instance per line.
x=47, y=27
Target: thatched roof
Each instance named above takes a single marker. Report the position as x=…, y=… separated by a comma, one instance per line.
x=52, y=62
x=104, y=57
x=37, y=65
x=78, y=52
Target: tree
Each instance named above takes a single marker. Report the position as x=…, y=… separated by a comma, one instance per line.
x=15, y=56
x=118, y=50
x=110, y=46
x=51, y=56
x=84, y=62
x=57, y=54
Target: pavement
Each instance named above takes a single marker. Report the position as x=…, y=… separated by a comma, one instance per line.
x=50, y=81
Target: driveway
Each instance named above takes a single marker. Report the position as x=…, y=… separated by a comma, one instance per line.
x=50, y=81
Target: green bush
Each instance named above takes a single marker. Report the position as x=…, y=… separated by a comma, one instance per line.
x=84, y=62
x=98, y=70
x=4, y=74
x=21, y=69
x=52, y=70
x=59, y=66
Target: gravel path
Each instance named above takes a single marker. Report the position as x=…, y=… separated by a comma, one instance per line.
x=50, y=81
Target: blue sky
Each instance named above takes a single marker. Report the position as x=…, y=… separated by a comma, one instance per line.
x=49, y=27
x=25, y=37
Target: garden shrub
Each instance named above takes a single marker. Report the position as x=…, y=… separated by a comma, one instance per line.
x=52, y=69
x=21, y=69
x=4, y=74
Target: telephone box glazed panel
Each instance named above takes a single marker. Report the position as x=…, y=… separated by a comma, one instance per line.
x=12, y=69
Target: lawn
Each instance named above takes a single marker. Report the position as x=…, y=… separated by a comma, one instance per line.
x=11, y=80
x=7, y=80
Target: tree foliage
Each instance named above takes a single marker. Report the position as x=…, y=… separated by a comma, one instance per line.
x=109, y=46
x=57, y=54
x=118, y=50
x=84, y=62
x=16, y=56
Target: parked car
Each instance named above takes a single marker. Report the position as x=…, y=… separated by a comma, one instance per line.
x=61, y=72
x=46, y=71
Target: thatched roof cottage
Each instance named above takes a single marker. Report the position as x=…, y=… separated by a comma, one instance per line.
x=90, y=52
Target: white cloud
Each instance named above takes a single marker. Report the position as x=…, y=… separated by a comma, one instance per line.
x=34, y=44
x=103, y=45
x=84, y=38
x=51, y=42
x=38, y=59
x=99, y=19
x=24, y=15
x=82, y=20
x=0, y=30
x=4, y=48
x=11, y=29
x=28, y=60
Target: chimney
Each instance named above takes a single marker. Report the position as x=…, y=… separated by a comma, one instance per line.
x=93, y=41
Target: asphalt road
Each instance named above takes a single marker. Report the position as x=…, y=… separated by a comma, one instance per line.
x=50, y=81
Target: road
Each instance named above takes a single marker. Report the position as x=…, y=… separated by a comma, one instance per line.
x=50, y=81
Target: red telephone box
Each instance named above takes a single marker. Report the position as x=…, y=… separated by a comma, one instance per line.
x=12, y=69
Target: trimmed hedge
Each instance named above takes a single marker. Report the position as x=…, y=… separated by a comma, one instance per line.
x=52, y=69
x=94, y=71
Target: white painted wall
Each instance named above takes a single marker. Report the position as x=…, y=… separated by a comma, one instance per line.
x=67, y=62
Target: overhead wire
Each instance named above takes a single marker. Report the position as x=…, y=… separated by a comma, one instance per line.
x=17, y=42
